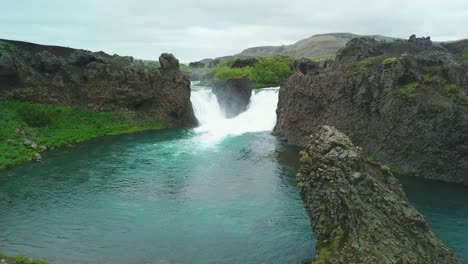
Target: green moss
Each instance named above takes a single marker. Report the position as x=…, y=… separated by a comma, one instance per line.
x=464, y=101
x=428, y=79
x=60, y=126
x=389, y=61
x=325, y=248
x=450, y=90
x=300, y=185
x=407, y=91
x=304, y=157
x=362, y=66
x=404, y=55
x=465, y=57
x=322, y=253
x=385, y=168
x=4, y=47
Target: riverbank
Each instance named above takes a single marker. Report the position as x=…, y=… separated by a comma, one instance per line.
x=28, y=129
x=19, y=260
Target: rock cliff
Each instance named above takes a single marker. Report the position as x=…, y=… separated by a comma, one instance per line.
x=358, y=210
x=95, y=80
x=405, y=102
x=233, y=95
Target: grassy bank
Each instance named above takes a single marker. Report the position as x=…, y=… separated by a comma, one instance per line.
x=19, y=260
x=27, y=128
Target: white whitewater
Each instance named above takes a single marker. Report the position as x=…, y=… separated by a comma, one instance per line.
x=213, y=124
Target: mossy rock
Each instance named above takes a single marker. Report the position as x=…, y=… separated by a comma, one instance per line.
x=450, y=90
x=389, y=61
x=408, y=91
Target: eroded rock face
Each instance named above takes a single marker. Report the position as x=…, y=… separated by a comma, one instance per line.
x=405, y=103
x=358, y=210
x=95, y=80
x=233, y=96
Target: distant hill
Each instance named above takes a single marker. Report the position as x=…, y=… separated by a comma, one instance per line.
x=317, y=46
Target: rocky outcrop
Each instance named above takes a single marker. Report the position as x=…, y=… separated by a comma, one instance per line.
x=233, y=95
x=404, y=102
x=95, y=80
x=241, y=63
x=358, y=210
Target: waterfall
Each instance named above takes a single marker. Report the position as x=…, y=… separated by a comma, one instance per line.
x=213, y=124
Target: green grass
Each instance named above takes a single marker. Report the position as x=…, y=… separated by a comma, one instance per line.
x=362, y=66
x=56, y=126
x=20, y=260
x=450, y=90
x=407, y=91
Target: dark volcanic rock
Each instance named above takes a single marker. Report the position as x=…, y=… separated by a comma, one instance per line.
x=95, y=80
x=358, y=210
x=233, y=96
x=404, y=102
x=241, y=63
x=306, y=66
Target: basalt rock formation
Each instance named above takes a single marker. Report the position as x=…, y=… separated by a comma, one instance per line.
x=405, y=102
x=95, y=80
x=358, y=210
x=233, y=95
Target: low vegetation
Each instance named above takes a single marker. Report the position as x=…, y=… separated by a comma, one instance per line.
x=465, y=57
x=19, y=260
x=267, y=72
x=362, y=66
x=389, y=61
x=407, y=91
x=450, y=90
x=47, y=127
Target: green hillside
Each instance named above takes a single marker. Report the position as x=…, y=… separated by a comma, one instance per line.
x=317, y=46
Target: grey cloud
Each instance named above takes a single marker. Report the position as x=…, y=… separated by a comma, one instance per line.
x=209, y=28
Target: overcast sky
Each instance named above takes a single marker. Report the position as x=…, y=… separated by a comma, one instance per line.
x=197, y=29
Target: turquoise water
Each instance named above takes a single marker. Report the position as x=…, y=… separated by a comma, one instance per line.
x=161, y=197
x=445, y=207
x=168, y=197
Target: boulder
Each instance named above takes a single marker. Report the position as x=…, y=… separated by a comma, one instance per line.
x=168, y=62
x=358, y=210
x=233, y=96
x=37, y=157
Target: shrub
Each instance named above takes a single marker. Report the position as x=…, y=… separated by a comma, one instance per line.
x=271, y=71
x=225, y=73
x=35, y=115
x=407, y=91
x=450, y=90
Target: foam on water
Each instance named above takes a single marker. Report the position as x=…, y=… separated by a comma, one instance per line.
x=213, y=124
